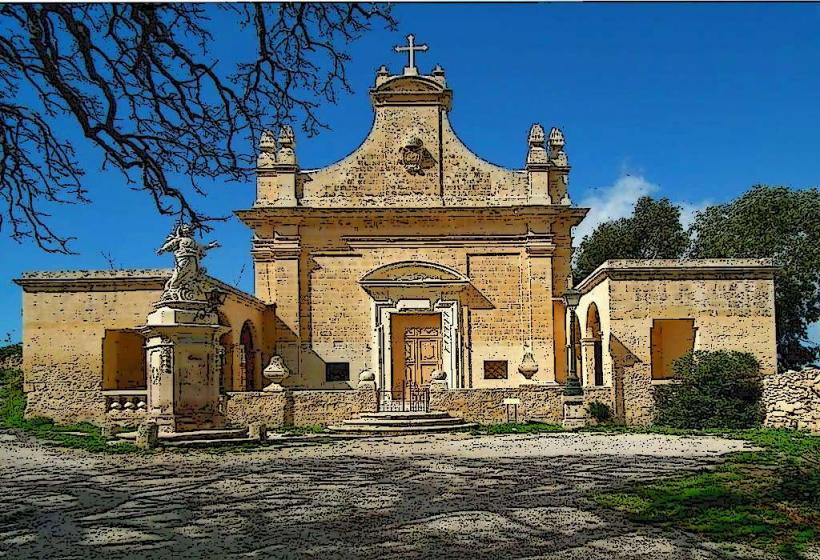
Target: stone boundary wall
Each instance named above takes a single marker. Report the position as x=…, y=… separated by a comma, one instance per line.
x=66, y=406
x=298, y=407
x=485, y=406
x=792, y=399
x=601, y=394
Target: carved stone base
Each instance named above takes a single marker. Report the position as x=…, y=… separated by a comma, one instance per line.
x=574, y=412
x=182, y=360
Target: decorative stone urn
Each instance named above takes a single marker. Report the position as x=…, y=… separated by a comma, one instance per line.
x=528, y=367
x=275, y=372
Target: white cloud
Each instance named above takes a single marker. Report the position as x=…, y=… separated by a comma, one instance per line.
x=618, y=200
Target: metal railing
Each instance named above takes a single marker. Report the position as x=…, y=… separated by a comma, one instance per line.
x=410, y=397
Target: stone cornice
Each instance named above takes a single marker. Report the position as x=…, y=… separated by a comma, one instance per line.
x=280, y=247
x=684, y=269
x=116, y=280
x=262, y=215
x=532, y=242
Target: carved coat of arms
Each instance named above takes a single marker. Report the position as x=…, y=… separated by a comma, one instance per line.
x=415, y=157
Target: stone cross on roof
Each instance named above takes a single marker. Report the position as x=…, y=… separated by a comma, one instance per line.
x=411, y=49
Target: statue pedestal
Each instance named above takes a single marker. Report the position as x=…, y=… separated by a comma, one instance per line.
x=574, y=413
x=183, y=366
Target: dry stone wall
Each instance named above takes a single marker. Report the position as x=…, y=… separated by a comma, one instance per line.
x=298, y=408
x=486, y=406
x=792, y=399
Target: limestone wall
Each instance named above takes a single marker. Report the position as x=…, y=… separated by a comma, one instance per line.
x=243, y=408
x=485, y=406
x=324, y=313
x=730, y=301
x=65, y=318
x=792, y=399
x=298, y=408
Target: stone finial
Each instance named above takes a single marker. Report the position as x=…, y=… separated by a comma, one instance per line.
x=536, y=137
x=287, y=146
x=556, y=141
x=537, y=153
x=382, y=71
x=276, y=371
x=438, y=70
x=267, y=142
x=267, y=150
x=367, y=381
x=438, y=380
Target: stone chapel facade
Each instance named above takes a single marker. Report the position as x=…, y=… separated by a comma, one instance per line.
x=412, y=261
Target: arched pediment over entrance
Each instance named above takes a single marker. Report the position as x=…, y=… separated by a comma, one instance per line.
x=413, y=273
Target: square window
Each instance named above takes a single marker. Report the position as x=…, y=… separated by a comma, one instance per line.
x=337, y=371
x=670, y=339
x=495, y=369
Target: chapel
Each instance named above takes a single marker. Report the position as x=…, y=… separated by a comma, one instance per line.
x=411, y=276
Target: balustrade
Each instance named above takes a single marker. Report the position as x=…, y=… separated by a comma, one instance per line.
x=126, y=401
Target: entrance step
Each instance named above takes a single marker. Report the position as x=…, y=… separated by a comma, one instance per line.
x=397, y=423
x=404, y=415
x=195, y=438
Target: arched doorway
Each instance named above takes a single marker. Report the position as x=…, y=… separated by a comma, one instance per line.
x=593, y=348
x=247, y=356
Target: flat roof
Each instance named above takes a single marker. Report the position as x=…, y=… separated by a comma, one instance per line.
x=664, y=269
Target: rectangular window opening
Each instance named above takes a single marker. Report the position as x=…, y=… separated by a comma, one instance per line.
x=495, y=369
x=337, y=371
x=670, y=339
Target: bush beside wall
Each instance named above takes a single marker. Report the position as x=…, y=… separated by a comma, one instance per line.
x=716, y=389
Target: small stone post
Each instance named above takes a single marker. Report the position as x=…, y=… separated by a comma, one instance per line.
x=258, y=431
x=147, y=435
x=367, y=392
x=439, y=381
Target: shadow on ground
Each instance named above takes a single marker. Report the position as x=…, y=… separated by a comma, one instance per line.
x=364, y=499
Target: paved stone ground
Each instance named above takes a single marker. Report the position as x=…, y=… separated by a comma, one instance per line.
x=447, y=496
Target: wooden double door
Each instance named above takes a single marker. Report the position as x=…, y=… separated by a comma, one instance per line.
x=416, y=349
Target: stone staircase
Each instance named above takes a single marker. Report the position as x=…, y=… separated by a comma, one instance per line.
x=397, y=423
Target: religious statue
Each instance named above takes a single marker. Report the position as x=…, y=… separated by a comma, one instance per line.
x=185, y=282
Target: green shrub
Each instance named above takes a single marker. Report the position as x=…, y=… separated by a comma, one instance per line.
x=600, y=411
x=11, y=350
x=12, y=398
x=715, y=390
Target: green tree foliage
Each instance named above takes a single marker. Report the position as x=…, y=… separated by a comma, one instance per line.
x=653, y=231
x=782, y=224
x=716, y=389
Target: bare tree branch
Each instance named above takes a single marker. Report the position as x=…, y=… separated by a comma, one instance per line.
x=142, y=85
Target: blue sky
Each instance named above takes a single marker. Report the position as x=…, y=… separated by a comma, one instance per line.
x=697, y=102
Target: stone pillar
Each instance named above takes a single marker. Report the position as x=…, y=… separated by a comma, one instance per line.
x=587, y=373
x=574, y=414
x=367, y=392
x=258, y=431
x=183, y=369
x=539, y=278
